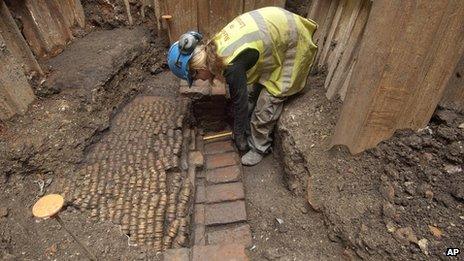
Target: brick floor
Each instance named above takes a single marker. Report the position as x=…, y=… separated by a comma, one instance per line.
x=224, y=175
x=240, y=234
x=200, y=193
x=199, y=235
x=219, y=147
x=179, y=254
x=225, y=212
x=230, y=252
x=221, y=160
x=199, y=215
x=224, y=192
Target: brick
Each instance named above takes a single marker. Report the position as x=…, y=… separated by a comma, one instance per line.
x=221, y=160
x=200, y=193
x=224, y=192
x=240, y=234
x=225, y=212
x=199, y=214
x=199, y=235
x=235, y=252
x=219, y=147
x=178, y=254
x=224, y=175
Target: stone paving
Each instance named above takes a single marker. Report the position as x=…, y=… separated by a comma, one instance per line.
x=150, y=172
x=133, y=177
x=220, y=229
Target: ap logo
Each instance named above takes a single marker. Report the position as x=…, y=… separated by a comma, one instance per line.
x=452, y=252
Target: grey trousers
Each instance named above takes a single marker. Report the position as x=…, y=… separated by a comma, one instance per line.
x=264, y=111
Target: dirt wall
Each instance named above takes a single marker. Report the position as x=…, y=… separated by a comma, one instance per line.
x=401, y=200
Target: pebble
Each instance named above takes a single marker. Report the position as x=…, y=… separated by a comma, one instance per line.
x=423, y=245
x=4, y=212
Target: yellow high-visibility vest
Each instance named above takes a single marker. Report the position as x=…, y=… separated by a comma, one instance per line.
x=285, y=46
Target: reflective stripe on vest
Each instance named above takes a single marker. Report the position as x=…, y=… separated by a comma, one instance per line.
x=284, y=42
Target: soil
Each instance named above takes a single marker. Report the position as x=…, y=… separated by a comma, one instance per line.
x=401, y=200
x=110, y=14
x=302, y=234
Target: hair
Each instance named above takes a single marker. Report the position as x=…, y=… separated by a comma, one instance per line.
x=205, y=57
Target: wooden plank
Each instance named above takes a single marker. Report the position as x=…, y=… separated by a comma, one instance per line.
x=320, y=35
x=15, y=92
x=78, y=11
x=250, y=5
x=375, y=49
x=203, y=18
x=15, y=42
x=43, y=26
x=402, y=70
x=349, y=16
x=219, y=17
x=184, y=17
x=328, y=45
x=453, y=98
x=348, y=53
x=441, y=59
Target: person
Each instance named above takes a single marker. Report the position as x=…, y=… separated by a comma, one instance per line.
x=264, y=56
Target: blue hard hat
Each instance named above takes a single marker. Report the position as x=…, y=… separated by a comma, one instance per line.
x=178, y=62
x=180, y=54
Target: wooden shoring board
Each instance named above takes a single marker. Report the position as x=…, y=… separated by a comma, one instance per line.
x=184, y=17
x=454, y=93
x=15, y=92
x=44, y=28
x=339, y=74
x=219, y=17
x=321, y=34
x=256, y=4
x=15, y=41
x=402, y=70
x=330, y=37
x=346, y=24
x=73, y=12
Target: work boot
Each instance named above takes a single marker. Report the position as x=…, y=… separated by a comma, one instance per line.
x=251, y=158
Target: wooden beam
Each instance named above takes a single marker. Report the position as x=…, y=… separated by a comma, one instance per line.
x=335, y=80
x=15, y=42
x=15, y=92
x=453, y=98
x=402, y=69
x=320, y=35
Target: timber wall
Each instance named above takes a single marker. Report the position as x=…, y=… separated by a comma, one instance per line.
x=392, y=62
x=30, y=30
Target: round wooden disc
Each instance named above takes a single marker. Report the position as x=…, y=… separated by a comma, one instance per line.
x=48, y=206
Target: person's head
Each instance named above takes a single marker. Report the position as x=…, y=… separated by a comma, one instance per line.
x=190, y=61
x=205, y=63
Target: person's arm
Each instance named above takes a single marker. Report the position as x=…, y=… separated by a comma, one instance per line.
x=236, y=78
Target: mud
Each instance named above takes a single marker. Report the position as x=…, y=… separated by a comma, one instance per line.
x=401, y=200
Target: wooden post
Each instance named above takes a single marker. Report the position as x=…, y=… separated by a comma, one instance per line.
x=157, y=9
x=15, y=41
x=15, y=92
x=128, y=11
x=402, y=69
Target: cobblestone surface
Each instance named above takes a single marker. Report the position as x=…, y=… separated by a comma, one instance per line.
x=132, y=176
